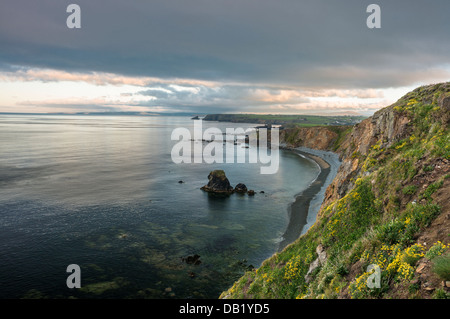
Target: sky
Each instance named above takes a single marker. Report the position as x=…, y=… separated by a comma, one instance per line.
x=219, y=56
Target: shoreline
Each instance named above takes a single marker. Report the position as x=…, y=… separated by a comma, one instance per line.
x=303, y=211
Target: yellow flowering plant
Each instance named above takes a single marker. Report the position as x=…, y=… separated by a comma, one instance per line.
x=437, y=249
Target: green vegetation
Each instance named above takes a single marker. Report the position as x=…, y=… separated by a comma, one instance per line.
x=436, y=250
x=219, y=173
x=390, y=202
x=441, y=266
x=441, y=294
x=286, y=120
x=410, y=190
x=342, y=133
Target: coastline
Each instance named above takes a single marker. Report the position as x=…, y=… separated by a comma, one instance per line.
x=306, y=205
x=303, y=211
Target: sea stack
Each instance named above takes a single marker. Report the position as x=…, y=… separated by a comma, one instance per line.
x=240, y=188
x=218, y=183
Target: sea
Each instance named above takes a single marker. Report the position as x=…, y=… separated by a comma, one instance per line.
x=103, y=193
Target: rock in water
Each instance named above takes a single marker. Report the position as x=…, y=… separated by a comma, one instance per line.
x=192, y=260
x=218, y=183
x=240, y=188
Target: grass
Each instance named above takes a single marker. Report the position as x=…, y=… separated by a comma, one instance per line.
x=410, y=190
x=441, y=266
x=373, y=223
x=441, y=294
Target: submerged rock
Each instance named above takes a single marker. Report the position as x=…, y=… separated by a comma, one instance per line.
x=218, y=183
x=251, y=192
x=192, y=260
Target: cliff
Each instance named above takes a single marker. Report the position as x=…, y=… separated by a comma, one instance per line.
x=385, y=217
x=285, y=120
x=325, y=138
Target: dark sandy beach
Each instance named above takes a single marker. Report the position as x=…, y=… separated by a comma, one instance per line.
x=304, y=209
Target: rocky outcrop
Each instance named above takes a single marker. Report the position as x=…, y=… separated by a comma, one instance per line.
x=240, y=188
x=386, y=127
x=318, y=262
x=218, y=183
x=192, y=260
x=319, y=137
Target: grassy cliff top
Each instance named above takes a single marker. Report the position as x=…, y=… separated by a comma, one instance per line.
x=286, y=120
x=389, y=212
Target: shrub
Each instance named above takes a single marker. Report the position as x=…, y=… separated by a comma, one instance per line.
x=423, y=215
x=412, y=254
x=432, y=188
x=413, y=288
x=342, y=270
x=390, y=232
x=409, y=190
x=437, y=249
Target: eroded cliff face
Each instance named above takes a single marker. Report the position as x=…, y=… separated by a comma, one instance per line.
x=354, y=143
x=386, y=127
x=390, y=197
x=318, y=137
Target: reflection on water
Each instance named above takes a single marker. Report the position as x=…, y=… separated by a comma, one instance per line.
x=103, y=193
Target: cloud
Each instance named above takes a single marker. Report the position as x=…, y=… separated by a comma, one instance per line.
x=100, y=104
x=15, y=73
x=380, y=78
x=229, y=55
x=286, y=42
x=181, y=95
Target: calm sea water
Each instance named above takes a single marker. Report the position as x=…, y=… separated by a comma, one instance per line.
x=102, y=192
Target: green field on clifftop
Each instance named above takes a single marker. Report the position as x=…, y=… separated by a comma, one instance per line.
x=286, y=120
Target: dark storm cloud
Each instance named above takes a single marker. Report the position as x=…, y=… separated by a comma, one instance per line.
x=286, y=42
